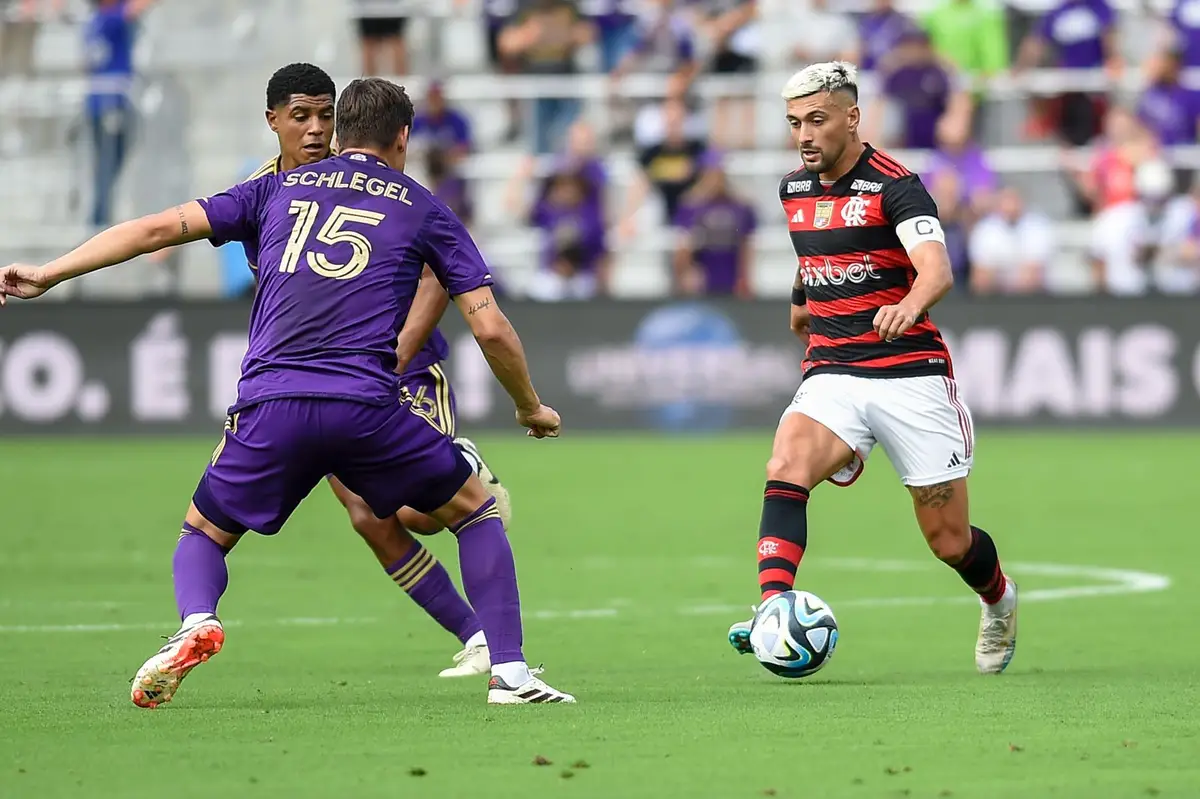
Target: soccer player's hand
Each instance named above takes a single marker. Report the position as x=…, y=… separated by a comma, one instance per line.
x=892, y=321
x=542, y=423
x=26, y=282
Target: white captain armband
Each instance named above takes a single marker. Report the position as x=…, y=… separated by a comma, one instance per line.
x=920, y=229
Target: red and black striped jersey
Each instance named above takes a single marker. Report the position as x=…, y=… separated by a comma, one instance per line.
x=851, y=263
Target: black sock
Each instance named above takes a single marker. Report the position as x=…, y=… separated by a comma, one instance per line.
x=980, y=567
x=782, y=536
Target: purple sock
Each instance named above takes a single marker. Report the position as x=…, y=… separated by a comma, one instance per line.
x=200, y=573
x=490, y=578
x=426, y=581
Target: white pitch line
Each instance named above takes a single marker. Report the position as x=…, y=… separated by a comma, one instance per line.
x=1116, y=582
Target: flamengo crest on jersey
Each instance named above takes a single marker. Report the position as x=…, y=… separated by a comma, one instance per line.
x=850, y=263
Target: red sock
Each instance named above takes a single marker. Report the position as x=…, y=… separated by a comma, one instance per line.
x=782, y=536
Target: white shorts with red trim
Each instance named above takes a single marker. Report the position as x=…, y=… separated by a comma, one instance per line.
x=921, y=422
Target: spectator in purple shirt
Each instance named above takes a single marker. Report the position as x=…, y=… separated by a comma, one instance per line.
x=1166, y=107
x=714, y=251
x=439, y=125
x=959, y=155
x=880, y=31
x=923, y=89
x=1075, y=34
x=574, y=254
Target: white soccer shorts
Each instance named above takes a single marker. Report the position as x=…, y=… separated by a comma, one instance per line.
x=922, y=423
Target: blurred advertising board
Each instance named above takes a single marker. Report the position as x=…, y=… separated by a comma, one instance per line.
x=681, y=366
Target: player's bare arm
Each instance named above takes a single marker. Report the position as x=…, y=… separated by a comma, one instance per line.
x=117, y=245
x=934, y=280
x=428, y=306
x=506, y=357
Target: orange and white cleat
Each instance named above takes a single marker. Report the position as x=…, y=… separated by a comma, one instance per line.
x=159, y=677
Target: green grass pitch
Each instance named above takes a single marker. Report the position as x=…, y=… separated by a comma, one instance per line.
x=635, y=554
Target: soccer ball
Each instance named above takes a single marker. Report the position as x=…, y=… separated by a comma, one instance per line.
x=794, y=634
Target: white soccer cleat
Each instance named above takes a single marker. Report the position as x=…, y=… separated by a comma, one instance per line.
x=159, y=677
x=997, y=632
x=531, y=692
x=739, y=634
x=739, y=637
x=470, y=662
x=490, y=481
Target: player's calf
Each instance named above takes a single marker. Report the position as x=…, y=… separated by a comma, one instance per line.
x=420, y=575
x=201, y=577
x=943, y=517
x=804, y=453
x=489, y=576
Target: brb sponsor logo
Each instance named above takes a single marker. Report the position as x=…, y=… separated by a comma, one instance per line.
x=687, y=369
x=825, y=273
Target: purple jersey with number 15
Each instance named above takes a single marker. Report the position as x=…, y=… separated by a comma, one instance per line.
x=435, y=350
x=341, y=246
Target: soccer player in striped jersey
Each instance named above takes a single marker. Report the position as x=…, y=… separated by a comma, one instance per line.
x=300, y=110
x=872, y=261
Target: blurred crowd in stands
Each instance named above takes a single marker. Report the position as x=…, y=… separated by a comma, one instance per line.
x=930, y=70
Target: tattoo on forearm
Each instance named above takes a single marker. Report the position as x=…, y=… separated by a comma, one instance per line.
x=934, y=496
x=183, y=225
x=479, y=306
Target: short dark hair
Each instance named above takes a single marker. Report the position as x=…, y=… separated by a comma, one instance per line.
x=298, y=79
x=372, y=112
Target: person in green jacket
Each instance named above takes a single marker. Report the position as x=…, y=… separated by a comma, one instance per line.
x=971, y=34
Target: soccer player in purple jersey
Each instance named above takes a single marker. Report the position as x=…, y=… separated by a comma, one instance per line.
x=300, y=111
x=342, y=245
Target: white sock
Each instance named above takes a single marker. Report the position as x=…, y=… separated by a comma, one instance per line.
x=477, y=639
x=193, y=618
x=466, y=453
x=514, y=674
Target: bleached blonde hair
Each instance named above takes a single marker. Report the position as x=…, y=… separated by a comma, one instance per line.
x=829, y=76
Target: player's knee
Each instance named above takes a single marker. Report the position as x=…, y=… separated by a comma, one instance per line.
x=788, y=469
x=948, y=540
x=366, y=523
x=419, y=523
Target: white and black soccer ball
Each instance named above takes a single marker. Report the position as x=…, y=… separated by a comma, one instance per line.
x=794, y=634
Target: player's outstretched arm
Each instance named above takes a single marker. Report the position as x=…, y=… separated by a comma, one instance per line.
x=505, y=355
x=427, y=308
x=116, y=245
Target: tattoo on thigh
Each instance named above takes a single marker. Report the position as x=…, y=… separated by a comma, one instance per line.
x=934, y=496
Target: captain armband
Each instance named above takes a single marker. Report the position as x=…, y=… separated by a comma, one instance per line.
x=919, y=229
x=798, y=296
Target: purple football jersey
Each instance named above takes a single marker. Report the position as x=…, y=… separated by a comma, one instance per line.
x=717, y=229
x=435, y=350
x=1076, y=29
x=341, y=246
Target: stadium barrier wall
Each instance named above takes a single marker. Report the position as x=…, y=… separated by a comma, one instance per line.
x=82, y=368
